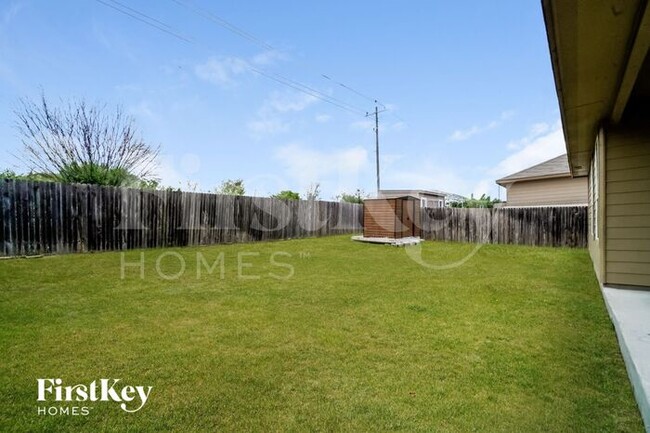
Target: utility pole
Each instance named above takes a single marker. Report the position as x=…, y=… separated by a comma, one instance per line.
x=377, y=143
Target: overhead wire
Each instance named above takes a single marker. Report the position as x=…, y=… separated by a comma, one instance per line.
x=224, y=23
x=144, y=18
x=205, y=13
x=296, y=85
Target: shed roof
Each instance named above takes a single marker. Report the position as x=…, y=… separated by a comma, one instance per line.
x=556, y=167
x=399, y=197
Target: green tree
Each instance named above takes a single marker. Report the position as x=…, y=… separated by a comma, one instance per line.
x=485, y=201
x=287, y=195
x=36, y=177
x=231, y=187
x=76, y=142
x=357, y=197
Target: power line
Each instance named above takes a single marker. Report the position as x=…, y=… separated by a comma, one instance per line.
x=369, y=98
x=307, y=90
x=139, y=13
x=223, y=23
x=161, y=26
x=146, y=19
x=357, y=110
x=247, y=35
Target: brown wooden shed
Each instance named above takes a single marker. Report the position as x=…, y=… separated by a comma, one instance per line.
x=391, y=217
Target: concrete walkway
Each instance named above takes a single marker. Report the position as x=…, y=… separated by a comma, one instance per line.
x=630, y=313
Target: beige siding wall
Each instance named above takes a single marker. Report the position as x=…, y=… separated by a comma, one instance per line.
x=558, y=191
x=597, y=199
x=594, y=242
x=627, y=208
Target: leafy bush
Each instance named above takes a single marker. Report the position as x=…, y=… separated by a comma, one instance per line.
x=287, y=195
x=231, y=187
x=357, y=197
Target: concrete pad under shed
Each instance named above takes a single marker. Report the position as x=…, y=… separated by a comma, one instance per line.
x=630, y=313
x=396, y=242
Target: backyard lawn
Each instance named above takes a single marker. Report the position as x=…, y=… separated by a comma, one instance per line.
x=324, y=335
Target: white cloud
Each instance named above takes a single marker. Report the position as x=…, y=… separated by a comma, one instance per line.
x=369, y=125
x=221, y=70
x=426, y=174
x=507, y=115
x=10, y=12
x=484, y=186
x=266, y=126
x=398, y=126
x=364, y=125
x=178, y=175
x=467, y=133
x=464, y=134
x=285, y=102
x=540, y=128
x=323, y=118
x=269, y=116
x=143, y=110
x=388, y=159
x=536, y=130
x=268, y=57
x=336, y=170
x=543, y=143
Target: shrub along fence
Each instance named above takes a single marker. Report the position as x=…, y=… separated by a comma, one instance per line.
x=41, y=217
x=561, y=226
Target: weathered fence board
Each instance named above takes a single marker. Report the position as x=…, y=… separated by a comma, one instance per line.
x=44, y=218
x=542, y=226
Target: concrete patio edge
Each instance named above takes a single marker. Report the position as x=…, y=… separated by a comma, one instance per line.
x=629, y=311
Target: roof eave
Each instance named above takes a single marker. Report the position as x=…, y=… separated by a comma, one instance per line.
x=590, y=46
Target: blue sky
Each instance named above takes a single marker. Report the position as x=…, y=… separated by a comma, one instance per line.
x=468, y=87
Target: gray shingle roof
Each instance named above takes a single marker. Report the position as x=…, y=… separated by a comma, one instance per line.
x=556, y=167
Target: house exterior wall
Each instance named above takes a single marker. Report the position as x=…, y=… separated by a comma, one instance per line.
x=555, y=191
x=627, y=205
x=597, y=199
x=593, y=240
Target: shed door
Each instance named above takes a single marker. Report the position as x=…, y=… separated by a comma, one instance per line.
x=417, y=218
x=408, y=223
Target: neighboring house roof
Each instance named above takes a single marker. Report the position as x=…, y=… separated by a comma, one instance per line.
x=556, y=167
x=412, y=192
x=448, y=196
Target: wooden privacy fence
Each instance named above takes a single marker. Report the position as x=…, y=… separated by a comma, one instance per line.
x=41, y=217
x=564, y=226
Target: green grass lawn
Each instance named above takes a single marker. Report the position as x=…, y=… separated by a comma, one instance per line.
x=359, y=338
